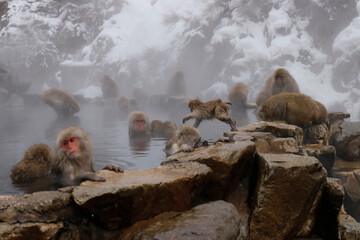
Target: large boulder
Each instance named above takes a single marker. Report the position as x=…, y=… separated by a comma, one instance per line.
x=39, y=231
x=326, y=154
x=228, y=161
x=287, y=192
x=135, y=195
x=214, y=220
x=347, y=141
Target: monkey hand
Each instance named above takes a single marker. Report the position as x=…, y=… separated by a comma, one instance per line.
x=184, y=120
x=186, y=148
x=98, y=178
x=113, y=167
x=224, y=139
x=205, y=143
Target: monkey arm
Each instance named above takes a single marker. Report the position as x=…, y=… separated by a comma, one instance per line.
x=188, y=117
x=186, y=148
x=89, y=176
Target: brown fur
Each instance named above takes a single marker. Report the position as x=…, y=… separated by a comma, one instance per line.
x=272, y=87
x=145, y=130
x=163, y=129
x=109, y=87
x=126, y=105
x=294, y=108
x=35, y=163
x=63, y=103
x=186, y=139
x=176, y=85
x=238, y=95
x=209, y=110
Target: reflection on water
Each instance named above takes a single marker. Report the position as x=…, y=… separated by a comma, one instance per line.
x=22, y=127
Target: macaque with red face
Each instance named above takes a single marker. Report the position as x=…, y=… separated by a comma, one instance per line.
x=73, y=161
x=138, y=124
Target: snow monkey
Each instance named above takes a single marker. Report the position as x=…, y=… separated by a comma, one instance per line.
x=63, y=103
x=238, y=95
x=163, y=129
x=109, y=87
x=138, y=124
x=73, y=161
x=294, y=108
x=176, y=85
x=280, y=81
x=35, y=163
x=210, y=110
x=186, y=139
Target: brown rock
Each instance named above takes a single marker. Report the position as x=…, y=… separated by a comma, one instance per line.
x=38, y=231
x=326, y=154
x=349, y=227
x=284, y=145
x=347, y=141
x=228, y=162
x=134, y=195
x=316, y=134
x=214, y=220
x=285, y=197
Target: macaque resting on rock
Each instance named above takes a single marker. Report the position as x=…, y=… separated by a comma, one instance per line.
x=109, y=87
x=72, y=162
x=210, y=110
x=63, y=103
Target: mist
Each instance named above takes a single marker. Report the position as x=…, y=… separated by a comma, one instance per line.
x=72, y=44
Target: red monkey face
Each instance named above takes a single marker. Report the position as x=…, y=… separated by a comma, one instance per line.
x=139, y=124
x=279, y=79
x=71, y=145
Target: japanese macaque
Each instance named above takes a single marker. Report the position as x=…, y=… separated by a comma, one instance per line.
x=294, y=108
x=109, y=87
x=280, y=81
x=35, y=163
x=73, y=161
x=176, y=85
x=63, y=103
x=161, y=129
x=210, y=110
x=126, y=105
x=186, y=139
x=138, y=124
x=238, y=95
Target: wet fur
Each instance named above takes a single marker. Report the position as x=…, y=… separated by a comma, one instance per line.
x=186, y=138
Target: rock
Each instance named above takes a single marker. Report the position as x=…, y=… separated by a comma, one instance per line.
x=228, y=161
x=316, y=134
x=334, y=116
x=284, y=145
x=347, y=142
x=50, y=206
x=134, y=195
x=332, y=200
x=276, y=129
x=214, y=220
x=349, y=227
x=285, y=197
x=35, y=230
x=326, y=154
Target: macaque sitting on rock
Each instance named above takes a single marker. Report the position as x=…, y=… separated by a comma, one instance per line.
x=210, y=110
x=63, y=103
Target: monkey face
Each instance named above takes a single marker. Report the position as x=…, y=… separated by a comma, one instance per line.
x=279, y=79
x=139, y=124
x=71, y=145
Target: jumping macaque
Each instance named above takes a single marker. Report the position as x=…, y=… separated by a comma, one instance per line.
x=294, y=108
x=35, y=163
x=73, y=161
x=186, y=139
x=238, y=95
x=210, y=110
x=176, y=85
x=161, y=129
x=109, y=87
x=63, y=103
x=138, y=124
x=280, y=81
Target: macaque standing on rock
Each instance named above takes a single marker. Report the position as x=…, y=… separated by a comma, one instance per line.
x=210, y=110
x=35, y=163
x=186, y=139
x=280, y=81
x=109, y=87
x=63, y=103
x=138, y=124
x=294, y=108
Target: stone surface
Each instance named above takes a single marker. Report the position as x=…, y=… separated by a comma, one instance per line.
x=349, y=227
x=228, y=161
x=343, y=141
x=285, y=197
x=276, y=129
x=326, y=154
x=214, y=220
x=284, y=145
x=134, y=195
x=48, y=206
x=38, y=231
x=316, y=134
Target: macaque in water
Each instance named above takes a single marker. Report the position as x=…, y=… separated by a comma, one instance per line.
x=35, y=163
x=280, y=81
x=210, y=110
x=126, y=105
x=176, y=85
x=63, y=103
x=138, y=124
x=294, y=108
x=73, y=161
x=238, y=95
x=186, y=139
x=162, y=129
x=109, y=87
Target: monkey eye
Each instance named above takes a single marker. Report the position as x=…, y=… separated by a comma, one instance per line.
x=65, y=142
x=72, y=139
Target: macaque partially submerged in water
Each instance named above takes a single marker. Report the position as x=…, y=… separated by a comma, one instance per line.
x=138, y=124
x=161, y=129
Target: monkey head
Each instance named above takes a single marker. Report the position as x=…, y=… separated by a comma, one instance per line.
x=188, y=135
x=138, y=123
x=194, y=104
